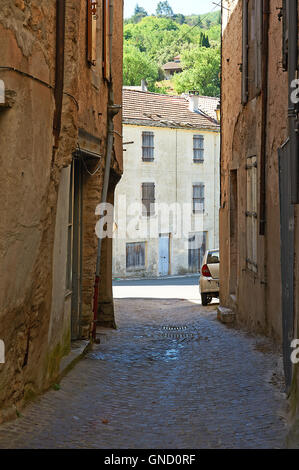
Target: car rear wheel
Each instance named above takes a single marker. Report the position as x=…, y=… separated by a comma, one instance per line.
x=205, y=299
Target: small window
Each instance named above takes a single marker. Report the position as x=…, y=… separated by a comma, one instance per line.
x=135, y=255
x=91, y=31
x=198, y=148
x=147, y=146
x=148, y=199
x=198, y=198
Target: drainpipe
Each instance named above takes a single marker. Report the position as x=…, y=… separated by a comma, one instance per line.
x=59, y=69
x=266, y=13
x=112, y=110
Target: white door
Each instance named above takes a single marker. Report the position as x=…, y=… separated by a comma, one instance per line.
x=164, y=255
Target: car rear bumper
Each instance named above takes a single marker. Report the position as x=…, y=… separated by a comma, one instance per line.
x=208, y=285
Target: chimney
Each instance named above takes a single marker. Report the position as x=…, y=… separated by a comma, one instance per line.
x=143, y=85
x=193, y=99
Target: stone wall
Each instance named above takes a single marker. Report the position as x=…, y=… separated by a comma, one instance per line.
x=257, y=296
x=31, y=168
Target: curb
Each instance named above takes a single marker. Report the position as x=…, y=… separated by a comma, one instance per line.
x=78, y=350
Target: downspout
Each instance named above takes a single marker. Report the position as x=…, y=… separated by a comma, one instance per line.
x=112, y=110
x=266, y=13
x=59, y=69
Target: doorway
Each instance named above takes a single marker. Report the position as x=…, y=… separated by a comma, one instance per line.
x=164, y=254
x=233, y=231
x=74, y=263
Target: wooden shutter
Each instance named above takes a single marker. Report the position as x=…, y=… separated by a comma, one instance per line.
x=198, y=148
x=91, y=31
x=285, y=34
x=198, y=198
x=148, y=198
x=245, y=46
x=147, y=146
x=135, y=255
x=251, y=213
x=106, y=34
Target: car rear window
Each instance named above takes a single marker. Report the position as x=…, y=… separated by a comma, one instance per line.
x=213, y=257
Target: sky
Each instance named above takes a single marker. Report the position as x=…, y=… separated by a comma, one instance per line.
x=186, y=7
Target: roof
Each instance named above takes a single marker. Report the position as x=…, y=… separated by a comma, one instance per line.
x=153, y=109
x=128, y=87
x=208, y=105
x=172, y=66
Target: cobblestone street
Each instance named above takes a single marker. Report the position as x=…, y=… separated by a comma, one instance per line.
x=171, y=376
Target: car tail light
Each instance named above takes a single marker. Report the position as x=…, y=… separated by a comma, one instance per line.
x=205, y=271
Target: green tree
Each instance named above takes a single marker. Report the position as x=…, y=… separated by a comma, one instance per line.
x=138, y=66
x=179, y=18
x=201, y=71
x=139, y=13
x=208, y=23
x=164, y=9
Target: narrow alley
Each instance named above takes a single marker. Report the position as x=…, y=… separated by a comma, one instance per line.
x=171, y=376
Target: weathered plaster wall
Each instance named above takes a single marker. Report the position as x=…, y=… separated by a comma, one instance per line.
x=34, y=314
x=258, y=295
x=173, y=172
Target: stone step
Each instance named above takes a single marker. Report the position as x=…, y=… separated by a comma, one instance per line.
x=225, y=315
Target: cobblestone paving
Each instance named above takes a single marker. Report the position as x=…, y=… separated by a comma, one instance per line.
x=171, y=376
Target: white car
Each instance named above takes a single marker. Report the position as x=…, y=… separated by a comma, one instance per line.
x=209, y=278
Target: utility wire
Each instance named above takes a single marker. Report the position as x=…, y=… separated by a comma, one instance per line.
x=38, y=80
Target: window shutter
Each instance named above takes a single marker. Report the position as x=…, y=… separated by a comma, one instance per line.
x=91, y=31
x=106, y=33
x=135, y=255
x=198, y=148
x=251, y=214
x=148, y=198
x=285, y=34
x=198, y=198
x=245, y=53
x=147, y=146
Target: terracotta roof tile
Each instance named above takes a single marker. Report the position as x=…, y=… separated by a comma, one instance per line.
x=172, y=66
x=145, y=108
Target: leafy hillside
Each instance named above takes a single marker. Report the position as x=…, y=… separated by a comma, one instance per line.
x=151, y=41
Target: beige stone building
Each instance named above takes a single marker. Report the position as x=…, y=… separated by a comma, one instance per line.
x=60, y=77
x=259, y=232
x=171, y=165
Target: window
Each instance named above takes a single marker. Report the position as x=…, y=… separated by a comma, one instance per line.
x=147, y=146
x=198, y=198
x=91, y=32
x=252, y=33
x=148, y=199
x=135, y=255
x=198, y=148
x=251, y=214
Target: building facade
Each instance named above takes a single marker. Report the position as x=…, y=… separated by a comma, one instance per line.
x=259, y=170
x=60, y=72
x=167, y=202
